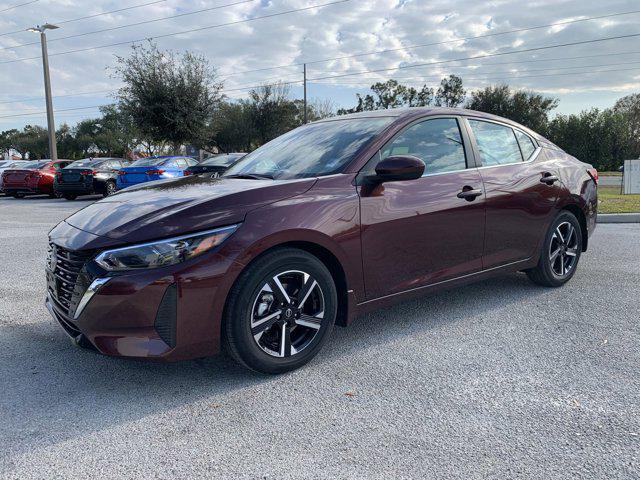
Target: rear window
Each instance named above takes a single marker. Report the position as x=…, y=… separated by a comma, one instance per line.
x=147, y=162
x=221, y=160
x=85, y=163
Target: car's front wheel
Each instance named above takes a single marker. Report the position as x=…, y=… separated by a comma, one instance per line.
x=280, y=311
x=560, y=253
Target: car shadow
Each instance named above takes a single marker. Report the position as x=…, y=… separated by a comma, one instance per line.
x=53, y=391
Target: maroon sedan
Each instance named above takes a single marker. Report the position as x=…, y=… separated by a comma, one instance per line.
x=326, y=222
x=32, y=178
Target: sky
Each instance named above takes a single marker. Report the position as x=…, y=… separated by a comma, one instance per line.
x=339, y=39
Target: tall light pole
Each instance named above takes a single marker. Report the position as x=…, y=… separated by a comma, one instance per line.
x=53, y=150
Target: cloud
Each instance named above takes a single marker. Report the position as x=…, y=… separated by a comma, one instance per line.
x=339, y=30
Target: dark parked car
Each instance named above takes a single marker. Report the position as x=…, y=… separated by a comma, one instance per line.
x=32, y=178
x=326, y=222
x=215, y=165
x=89, y=176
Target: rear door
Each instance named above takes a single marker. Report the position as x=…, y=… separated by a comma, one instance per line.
x=519, y=204
x=419, y=232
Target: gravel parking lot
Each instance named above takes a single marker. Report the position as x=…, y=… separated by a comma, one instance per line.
x=501, y=379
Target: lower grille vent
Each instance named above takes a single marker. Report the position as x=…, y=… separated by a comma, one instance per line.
x=166, y=317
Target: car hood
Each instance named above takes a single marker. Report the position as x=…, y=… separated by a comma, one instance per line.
x=180, y=206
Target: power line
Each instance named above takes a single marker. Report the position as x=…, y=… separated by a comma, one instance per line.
x=32, y=99
x=136, y=24
x=300, y=81
x=129, y=42
x=63, y=22
x=18, y=5
x=537, y=60
x=444, y=42
x=476, y=57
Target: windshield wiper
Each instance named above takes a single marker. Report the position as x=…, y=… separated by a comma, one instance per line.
x=251, y=176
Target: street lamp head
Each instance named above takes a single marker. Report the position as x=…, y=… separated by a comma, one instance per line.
x=42, y=28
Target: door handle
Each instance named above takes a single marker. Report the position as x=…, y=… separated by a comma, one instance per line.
x=469, y=193
x=549, y=179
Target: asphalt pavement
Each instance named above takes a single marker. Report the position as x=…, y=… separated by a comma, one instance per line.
x=501, y=379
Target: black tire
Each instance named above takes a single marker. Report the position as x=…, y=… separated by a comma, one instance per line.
x=249, y=290
x=70, y=196
x=55, y=195
x=18, y=195
x=549, y=271
x=109, y=188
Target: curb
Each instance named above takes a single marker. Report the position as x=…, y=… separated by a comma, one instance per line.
x=618, y=218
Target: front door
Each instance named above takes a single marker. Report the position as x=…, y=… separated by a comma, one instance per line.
x=419, y=232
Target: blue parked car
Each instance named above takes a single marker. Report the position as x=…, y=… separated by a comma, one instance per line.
x=153, y=168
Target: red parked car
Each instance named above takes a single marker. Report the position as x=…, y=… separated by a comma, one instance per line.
x=32, y=178
x=326, y=222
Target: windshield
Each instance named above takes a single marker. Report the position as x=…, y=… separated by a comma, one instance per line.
x=312, y=150
x=222, y=160
x=147, y=162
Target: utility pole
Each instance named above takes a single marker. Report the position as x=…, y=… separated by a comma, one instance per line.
x=305, y=92
x=51, y=125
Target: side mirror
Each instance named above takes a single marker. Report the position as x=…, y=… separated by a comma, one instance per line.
x=399, y=168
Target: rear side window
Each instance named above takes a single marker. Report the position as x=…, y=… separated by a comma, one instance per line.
x=497, y=143
x=170, y=164
x=437, y=142
x=526, y=144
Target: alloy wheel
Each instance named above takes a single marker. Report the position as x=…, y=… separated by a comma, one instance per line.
x=111, y=188
x=287, y=313
x=563, y=249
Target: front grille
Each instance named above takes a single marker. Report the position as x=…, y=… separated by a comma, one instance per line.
x=67, y=281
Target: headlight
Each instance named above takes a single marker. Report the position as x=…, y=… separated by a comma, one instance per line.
x=163, y=252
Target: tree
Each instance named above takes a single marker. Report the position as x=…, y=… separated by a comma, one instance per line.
x=168, y=98
x=233, y=127
x=391, y=94
x=629, y=107
x=528, y=108
x=599, y=137
x=272, y=112
x=450, y=92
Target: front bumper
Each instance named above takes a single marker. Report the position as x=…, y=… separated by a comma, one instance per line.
x=172, y=313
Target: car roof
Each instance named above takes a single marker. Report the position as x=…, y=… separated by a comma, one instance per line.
x=407, y=113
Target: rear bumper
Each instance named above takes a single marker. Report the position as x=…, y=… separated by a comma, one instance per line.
x=78, y=189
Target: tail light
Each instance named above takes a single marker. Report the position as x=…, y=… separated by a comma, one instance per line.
x=593, y=173
x=154, y=172
x=188, y=172
x=122, y=172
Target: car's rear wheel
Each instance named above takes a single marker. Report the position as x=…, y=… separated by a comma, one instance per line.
x=109, y=189
x=560, y=253
x=55, y=195
x=280, y=311
x=18, y=195
x=70, y=196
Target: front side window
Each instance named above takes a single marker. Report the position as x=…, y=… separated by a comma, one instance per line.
x=497, y=143
x=313, y=150
x=437, y=142
x=526, y=144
